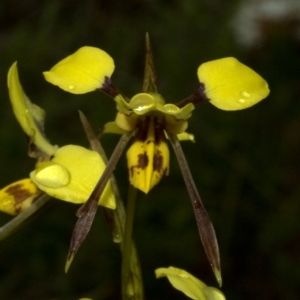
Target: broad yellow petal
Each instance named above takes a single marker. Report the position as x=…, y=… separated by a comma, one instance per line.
x=82, y=72
x=230, y=85
x=72, y=175
x=189, y=285
x=18, y=196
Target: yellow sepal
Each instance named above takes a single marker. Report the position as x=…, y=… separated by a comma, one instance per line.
x=72, y=174
x=148, y=159
x=30, y=116
x=191, y=286
x=82, y=72
x=18, y=196
x=230, y=85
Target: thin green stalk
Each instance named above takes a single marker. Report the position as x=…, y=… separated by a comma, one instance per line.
x=116, y=218
x=127, y=244
x=12, y=225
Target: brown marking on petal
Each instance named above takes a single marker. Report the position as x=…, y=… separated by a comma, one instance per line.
x=159, y=130
x=158, y=160
x=18, y=192
x=143, y=161
x=143, y=126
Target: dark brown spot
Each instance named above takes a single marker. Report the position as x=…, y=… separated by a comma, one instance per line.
x=143, y=161
x=20, y=194
x=158, y=160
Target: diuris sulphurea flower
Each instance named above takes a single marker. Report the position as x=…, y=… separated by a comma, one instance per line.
x=58, y=171
x=226, y=83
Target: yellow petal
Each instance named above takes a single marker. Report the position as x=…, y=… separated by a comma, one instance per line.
x=189, y=285
x=30, y=116
x=72, y=175
x=185, y=136
x=230, y=85
x=112, y=127
x=82, y=72
x=18, y=196
x=148, y=157
x=126, y=122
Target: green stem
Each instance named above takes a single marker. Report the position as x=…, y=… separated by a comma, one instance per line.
x=116, y=219
x=12, y=225
x=127, y=244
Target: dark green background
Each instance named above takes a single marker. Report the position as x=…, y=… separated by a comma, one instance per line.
x=245, y=164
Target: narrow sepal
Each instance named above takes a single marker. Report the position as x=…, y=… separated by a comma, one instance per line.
x=81, y=230
x=116, y=218
x=149, y=83
x=86, y=212
x=205, y=226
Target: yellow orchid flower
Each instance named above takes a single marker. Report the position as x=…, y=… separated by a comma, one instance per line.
x=58, y=171
x=225, y=83
x=148, y=157
x=191, y=286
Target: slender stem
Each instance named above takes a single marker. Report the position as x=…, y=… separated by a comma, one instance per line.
x=116, y=218
x=9, y=227
x=127, y=244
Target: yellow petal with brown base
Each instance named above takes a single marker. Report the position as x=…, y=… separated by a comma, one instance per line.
x=231, y=85
x=82, y=72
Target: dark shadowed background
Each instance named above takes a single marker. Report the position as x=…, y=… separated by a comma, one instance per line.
x=245, y=164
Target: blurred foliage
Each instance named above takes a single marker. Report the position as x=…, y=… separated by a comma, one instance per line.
x=246, y=164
